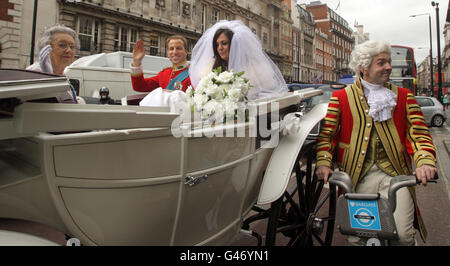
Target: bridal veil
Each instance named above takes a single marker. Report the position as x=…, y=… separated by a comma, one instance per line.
x=246, y=54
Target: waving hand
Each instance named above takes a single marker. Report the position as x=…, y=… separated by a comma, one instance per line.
x=138, y=53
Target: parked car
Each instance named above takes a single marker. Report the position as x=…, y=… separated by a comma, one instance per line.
x=301, y=86
x=432, y=110
x=325, y=97
x=347, y=79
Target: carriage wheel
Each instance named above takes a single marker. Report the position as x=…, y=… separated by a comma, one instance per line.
x=305, y=214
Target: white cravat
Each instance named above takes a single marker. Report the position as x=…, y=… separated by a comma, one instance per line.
x=381, y=100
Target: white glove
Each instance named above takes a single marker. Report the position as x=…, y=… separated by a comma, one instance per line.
x=44, y=59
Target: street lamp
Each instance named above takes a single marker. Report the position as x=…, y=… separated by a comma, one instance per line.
x=33, y=32
x=431, y=49
x=439, y=52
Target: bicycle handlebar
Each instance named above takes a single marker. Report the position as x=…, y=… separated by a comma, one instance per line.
x=343, y=180
x=401, y=181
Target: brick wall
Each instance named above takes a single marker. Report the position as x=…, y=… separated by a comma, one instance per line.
x=319, y=12
x=10, y=23
x=4, y=6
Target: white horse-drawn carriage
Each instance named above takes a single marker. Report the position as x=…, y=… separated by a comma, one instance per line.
x=117, y=175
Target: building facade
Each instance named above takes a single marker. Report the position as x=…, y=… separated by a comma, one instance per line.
x=296, y=40
x=446, y=54
x=359, y=35
x=115, y=25
x=308, y=42
x=307, y=50
x=323, y=57
x=423, y=75
x=338, y=31
x=423, y=69
x=286, y=40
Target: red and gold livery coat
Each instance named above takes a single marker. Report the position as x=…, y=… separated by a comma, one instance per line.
x=347, y=126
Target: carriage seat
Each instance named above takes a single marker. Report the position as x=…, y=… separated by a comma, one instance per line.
x=134, y=99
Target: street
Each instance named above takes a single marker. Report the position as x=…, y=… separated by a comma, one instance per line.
x=434, y=199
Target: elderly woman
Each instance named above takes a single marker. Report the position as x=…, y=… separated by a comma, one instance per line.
x=234, y=47
x=57, y=47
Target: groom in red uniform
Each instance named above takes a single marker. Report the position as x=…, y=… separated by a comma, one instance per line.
x=171, y=78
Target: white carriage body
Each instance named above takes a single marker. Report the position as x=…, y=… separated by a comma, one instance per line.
x=116, y=175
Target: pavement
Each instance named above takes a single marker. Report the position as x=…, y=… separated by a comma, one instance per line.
x=443, y=158
x=446, y=139
x=447, y=144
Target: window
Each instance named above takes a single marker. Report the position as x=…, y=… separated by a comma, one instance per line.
x=160, y=4
x=214, y=16
x=265, y=38
x=295, y=48
x=124, y=38
x=89, y=34
x=133, y=38
x=186, y=10
x=203, y=22
x=424, y=102
x=154, y=44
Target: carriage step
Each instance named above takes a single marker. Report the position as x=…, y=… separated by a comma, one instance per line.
x=259, y=208
x=253, y=234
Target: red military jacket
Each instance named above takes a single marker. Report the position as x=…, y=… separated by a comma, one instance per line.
x=163, y=79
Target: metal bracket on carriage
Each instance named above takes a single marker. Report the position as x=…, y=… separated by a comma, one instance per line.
x=291, y=123
x=194, y=180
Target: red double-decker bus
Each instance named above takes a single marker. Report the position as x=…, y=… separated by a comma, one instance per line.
x=404, y=72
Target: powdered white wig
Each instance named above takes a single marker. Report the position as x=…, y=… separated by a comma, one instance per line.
x=363, y=54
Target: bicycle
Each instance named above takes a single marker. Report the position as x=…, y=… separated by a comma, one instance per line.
x=369, y=216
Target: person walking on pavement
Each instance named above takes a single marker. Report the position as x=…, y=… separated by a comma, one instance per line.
x=377, y=128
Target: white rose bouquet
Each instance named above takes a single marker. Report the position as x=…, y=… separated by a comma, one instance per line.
x=219, y=96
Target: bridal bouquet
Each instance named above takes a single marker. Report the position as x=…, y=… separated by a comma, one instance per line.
x=219, y=96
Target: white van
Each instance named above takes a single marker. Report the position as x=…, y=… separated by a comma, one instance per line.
x=111, y=70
